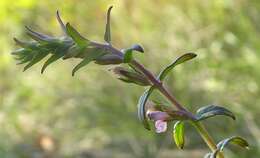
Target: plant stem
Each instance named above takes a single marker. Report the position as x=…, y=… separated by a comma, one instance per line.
x=198, y=125
x=158, y=84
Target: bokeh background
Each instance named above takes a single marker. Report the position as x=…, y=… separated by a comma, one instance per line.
x=92, y=115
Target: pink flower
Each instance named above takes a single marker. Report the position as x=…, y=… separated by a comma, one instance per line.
x=160, y=119
x=161, y=126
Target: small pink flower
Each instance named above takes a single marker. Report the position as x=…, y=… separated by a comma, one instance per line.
x=161, y=126
x=160, y=119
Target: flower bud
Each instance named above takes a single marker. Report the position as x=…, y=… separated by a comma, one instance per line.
x=131, y=76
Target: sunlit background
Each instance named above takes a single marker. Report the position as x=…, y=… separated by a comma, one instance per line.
x=93, y=115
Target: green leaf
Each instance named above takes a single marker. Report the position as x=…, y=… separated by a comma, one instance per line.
x=36, y=58
x=57, y=54
x=75, y=35
x=141, y=107
x=25, y=59
x=63, y=27
x=24, y=44
x=128, y=53
x=213, y=110
x=93, y=55
x=181, y=59
x=178, y=134
x=233, y=140
x=107, y=36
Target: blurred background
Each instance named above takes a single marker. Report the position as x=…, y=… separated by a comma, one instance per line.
x=92, y=115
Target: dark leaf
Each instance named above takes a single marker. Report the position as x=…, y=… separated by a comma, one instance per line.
x=212, y=110
x=181, y=59
x=107, y=36
x=141, y=107
x=90, y=57
x=233, y=140
x=178, y=134
x=75, y=35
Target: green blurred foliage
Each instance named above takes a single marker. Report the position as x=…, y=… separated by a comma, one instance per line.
x=93, y=115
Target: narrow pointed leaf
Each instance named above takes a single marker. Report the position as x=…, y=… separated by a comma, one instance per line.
x=141, y=107
x=25, y=60
x=37, y=57
x=22, y=52
x=76, y=36
x=90, y=57
x=181, y=59
x=213, y=110
x=57, y=54
x=178, y=134
x=128, y=53
x=24, y=44
x=37, y=36
x=63, y=27
x=233, y=140
x=107, y=36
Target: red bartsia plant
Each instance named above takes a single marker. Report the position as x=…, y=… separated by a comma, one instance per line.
x=73, y=45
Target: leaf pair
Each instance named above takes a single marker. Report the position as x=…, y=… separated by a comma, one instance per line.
x=235, y=140
x=202, y=114
x=144, y=97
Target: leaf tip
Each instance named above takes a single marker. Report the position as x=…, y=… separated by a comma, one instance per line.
x=110, y=8
x=57, y=13
x=16, y=40
x=73, y=73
